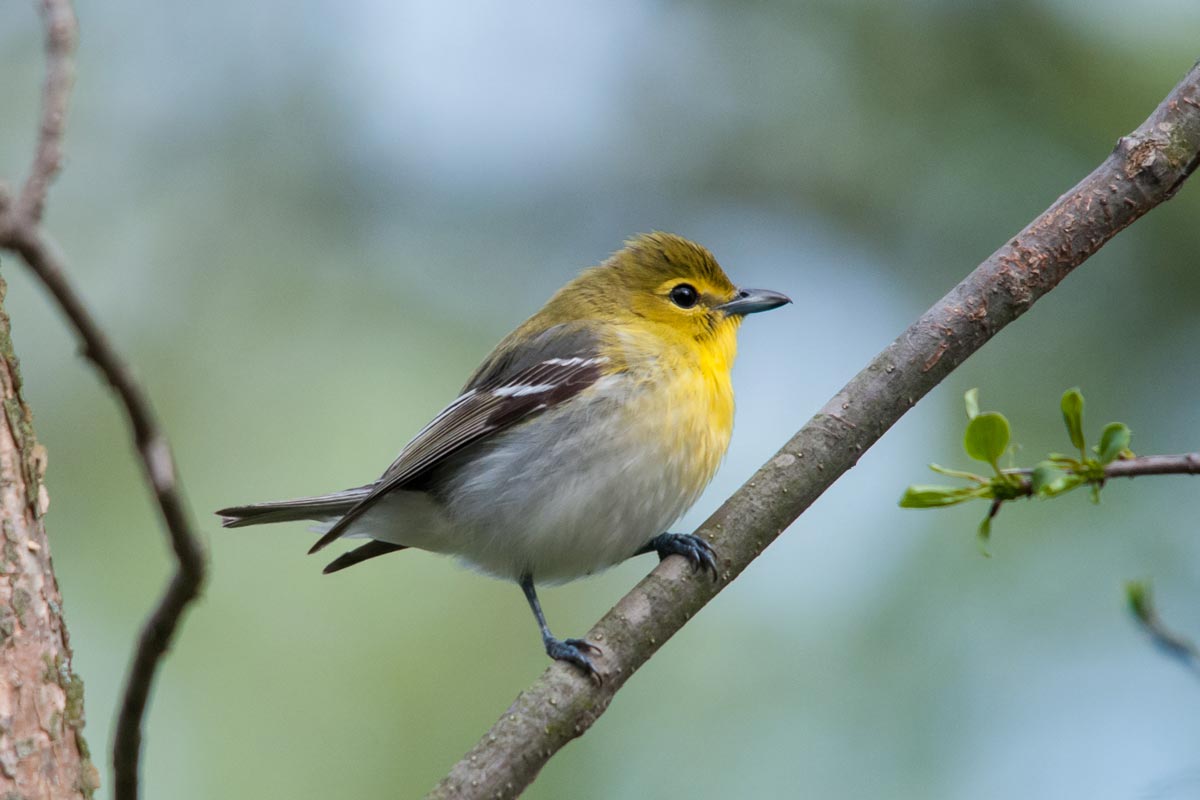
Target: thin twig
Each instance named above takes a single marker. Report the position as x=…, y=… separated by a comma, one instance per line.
x=1146, y=168
x=20, y=231
x=1185, y=464
x=58, y=19
x=1141, y=604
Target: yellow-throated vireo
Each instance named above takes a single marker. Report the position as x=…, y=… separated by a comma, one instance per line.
x=583, y=435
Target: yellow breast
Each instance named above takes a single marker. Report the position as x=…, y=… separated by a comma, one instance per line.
x=687, y=396
x=680, y=400
x=700, y=414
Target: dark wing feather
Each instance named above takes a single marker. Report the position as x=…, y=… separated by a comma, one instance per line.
x=371, y=549
x=551, y=368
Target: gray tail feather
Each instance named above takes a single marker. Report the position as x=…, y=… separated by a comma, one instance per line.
x=371, y=549
x=325, y=507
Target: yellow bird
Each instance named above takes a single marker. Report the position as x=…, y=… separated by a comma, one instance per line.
x=584, y=434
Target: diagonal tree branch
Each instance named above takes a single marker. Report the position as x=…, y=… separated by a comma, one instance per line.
x=1146, y=168
x=20, y=231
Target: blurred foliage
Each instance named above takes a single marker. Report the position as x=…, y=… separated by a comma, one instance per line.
x=1140, y=598
x=307, y=222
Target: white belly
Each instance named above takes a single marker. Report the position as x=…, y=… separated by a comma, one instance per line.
x=564, y=496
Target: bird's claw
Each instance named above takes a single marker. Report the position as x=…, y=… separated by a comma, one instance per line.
x=584, y=644
x=699, y=553
x=576, y=651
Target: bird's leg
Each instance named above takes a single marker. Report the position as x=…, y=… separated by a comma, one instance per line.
x=698, y=552
x=573, y=650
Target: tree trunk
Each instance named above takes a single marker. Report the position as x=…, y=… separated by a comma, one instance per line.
x=42, y=750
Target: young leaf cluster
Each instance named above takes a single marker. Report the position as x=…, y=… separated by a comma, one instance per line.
x=986, y=439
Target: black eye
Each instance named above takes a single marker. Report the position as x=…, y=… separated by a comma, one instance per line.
x=684, y=295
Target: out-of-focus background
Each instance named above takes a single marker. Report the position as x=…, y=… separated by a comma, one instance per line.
x=306, y=222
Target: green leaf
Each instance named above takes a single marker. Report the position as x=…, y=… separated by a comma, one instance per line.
x=957, y=473
x=986, y=438
x=984, y=536
x=1113, y=441
x=1044, y=474
x=938, y=496
x=1061, y=484
x=1072, y=411
x=971, y=398
x=985, y=529
x=1050, y=479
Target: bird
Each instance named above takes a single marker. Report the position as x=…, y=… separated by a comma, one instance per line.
x=579, y=440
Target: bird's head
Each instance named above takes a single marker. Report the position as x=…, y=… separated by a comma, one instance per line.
x=665, y=282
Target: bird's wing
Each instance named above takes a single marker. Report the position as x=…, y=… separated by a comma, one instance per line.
x=512, y=385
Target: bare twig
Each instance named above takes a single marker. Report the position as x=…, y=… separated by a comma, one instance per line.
x=58, y=19
x=20, y=231
x=1186, y=464
x=1146, y=168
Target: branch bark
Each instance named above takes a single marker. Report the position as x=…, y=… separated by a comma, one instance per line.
x=1147, y=167
x=1186, y=464
x=21, y=232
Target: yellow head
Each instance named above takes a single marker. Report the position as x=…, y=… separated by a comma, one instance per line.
x=662, y=283
x=659, y=299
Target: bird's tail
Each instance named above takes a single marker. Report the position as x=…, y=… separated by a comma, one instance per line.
x=324, y=508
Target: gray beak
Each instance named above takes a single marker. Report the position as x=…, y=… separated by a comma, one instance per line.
x=752, y=301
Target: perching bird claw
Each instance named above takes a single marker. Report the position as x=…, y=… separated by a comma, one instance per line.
x=576, y=652
x=584, y=644
x=698, y=552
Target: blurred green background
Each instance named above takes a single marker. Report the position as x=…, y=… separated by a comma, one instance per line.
x=306, y=222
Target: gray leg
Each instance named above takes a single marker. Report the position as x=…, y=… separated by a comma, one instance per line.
x=573, y=650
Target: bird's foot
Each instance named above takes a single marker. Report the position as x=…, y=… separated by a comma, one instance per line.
x=698, y=552
x=577, y=652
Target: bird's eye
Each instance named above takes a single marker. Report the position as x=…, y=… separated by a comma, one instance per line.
x=684, y=295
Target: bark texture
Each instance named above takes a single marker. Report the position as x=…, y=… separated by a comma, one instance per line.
x=42, y=750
